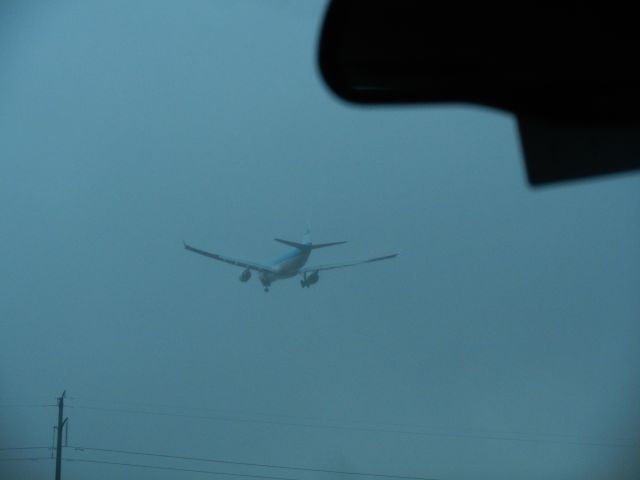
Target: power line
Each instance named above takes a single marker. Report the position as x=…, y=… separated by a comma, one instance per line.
x=178, y=469
x=319, y=421
x=391, y=427
x=171, y=407
x=250, y=464
x=250, y=420
x=228, y=419
x=231, y=412
x=25, y=398
x=471, y=436
x=386, y=427
x=4, y=449
x=24, y=459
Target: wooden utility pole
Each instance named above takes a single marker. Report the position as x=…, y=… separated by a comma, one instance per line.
x=61, y=424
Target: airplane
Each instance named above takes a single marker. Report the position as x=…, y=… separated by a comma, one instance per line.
x=288, y=265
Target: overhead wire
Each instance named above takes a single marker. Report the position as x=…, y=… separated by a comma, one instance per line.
x=21, y=459
x=250, y=464
x=362, y=425
x=4, y=449
x=536, y=438
x=177, y=469
x=386, y=427
x=529, y=437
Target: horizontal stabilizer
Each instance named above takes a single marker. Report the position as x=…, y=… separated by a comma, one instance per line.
x=307, y=246
x=322, y=245
x=299, y=246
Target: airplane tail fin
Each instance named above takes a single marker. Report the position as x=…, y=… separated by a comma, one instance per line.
x=305, y=246
x=307, y=235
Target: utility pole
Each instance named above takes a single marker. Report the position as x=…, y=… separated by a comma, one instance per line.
x=61, y=424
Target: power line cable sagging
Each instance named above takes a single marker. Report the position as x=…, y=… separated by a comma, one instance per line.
x=158, y=467
x=248, y=464
x=386, y=428
x=7, y=449
x=24, y=459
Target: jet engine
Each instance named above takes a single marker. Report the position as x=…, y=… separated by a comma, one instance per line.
x=245, y=275
x=309, y=280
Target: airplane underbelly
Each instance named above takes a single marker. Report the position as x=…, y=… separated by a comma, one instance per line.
x=290, y=267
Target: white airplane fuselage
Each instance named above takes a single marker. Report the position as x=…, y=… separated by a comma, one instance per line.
x=286, y=266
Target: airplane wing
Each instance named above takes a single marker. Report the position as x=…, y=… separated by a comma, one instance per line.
x=332, y=266
x=233, y=261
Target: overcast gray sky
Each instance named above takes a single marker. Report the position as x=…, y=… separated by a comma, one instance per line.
x=502, y=343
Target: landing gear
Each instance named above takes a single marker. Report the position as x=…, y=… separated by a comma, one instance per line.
x=308, y=280
x=265, y=280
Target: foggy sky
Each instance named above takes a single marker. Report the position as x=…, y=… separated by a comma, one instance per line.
x=501, y=343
